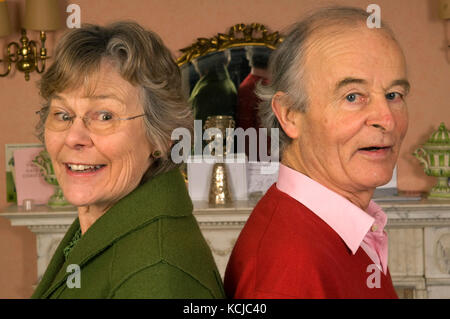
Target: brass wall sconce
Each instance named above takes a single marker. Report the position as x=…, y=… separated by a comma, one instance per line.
x=40, y=15
x=444, y=9
x=444, y=13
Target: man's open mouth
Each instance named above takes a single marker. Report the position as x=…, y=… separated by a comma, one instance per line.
x=375, y=148
x=84, y=168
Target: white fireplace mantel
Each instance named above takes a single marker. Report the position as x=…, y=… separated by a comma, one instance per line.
x=419, y=238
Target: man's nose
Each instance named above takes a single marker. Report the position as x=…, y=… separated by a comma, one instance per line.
x=381, y=115
x=78, y=135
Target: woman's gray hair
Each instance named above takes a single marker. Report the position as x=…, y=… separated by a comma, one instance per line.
x=287, y=62
x=142, y=59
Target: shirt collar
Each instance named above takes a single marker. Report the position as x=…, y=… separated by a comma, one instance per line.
x=350, y=222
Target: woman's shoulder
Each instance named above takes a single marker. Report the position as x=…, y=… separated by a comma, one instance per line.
x=168, y=238
x=171, y=246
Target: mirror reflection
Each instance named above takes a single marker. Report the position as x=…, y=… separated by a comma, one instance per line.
x=223, y=83
x=220, y=73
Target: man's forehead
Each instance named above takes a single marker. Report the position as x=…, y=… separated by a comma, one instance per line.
x=358, y=54
x=333, y=38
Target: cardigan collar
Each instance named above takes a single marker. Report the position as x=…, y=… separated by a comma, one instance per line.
x=163, y=196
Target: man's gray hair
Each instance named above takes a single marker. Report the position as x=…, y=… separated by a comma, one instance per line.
x=287, y=62
x=143, y=60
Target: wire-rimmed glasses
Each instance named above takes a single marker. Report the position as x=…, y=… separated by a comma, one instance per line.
x=97, y=122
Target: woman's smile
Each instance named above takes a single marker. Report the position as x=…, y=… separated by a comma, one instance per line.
x=73, y=169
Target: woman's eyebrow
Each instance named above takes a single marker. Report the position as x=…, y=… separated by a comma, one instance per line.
x=58, y=97
x=95, y=97
x=92, y=97
x=105, y=97
x=121, y=106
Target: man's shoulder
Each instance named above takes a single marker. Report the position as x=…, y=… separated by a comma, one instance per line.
x=278, y=250
x=279, y=223
x=279, y=207
x=282, y=247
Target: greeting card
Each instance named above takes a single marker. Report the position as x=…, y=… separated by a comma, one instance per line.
x=30, y=183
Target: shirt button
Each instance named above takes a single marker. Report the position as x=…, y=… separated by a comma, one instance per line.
x=374, y=227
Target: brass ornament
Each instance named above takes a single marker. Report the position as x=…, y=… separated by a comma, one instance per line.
x=26, y=55
x=219, y=190
x=222, y=122
x=238, y=35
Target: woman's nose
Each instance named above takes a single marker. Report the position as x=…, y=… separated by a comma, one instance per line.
x=78, y=135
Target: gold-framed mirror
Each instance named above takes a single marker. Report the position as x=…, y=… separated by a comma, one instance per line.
x=218, y=72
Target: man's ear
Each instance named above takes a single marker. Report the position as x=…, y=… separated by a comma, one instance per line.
x=287, y=118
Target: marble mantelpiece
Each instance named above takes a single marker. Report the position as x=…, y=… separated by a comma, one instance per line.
x=419, y=238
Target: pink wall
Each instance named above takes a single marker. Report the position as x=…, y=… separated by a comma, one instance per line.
x=179, y=23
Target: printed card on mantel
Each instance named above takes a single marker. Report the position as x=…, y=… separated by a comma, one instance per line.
x=30, y=183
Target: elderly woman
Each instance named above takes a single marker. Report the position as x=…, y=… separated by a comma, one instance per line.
x=112, y=98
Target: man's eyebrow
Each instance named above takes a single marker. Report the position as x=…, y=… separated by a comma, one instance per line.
x=348, y=81
x=401, y=82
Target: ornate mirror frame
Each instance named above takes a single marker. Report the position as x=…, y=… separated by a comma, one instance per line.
x=254, y=34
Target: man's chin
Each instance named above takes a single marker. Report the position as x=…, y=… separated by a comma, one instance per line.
x=373, y=181
x=378, y=182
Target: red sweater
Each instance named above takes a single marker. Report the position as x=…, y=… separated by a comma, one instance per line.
x=247, y=110
x=287, y=251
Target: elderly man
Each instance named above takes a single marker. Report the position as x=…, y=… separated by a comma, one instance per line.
x=337, y=95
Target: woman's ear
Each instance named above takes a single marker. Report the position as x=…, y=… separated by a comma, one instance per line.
x=288, y=119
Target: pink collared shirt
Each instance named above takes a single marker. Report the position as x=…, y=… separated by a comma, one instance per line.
x=356, y=227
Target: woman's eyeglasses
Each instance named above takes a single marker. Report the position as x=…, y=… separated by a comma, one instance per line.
x=98, y=122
